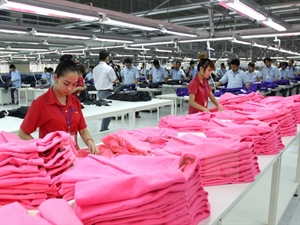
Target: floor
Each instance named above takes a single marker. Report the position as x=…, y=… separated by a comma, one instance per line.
x=291, y=215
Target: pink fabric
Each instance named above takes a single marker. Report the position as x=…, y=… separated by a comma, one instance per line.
x=33, y=167
x=58, y=212
x=16, y=214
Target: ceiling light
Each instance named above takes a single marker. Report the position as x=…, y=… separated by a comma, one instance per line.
x=242, y=9
x=138, y=49
x=205, y=39
x=259, y=46
x=270, y=35
x=12, y=31
x=283, y=50
x=272, y=48
x=95, y=38
x=108, y=47
x=152, y=43
x=19, y=7
x=162, y=50
x=276, y=26
x=162, y=57
x=61, y=36
x=241, y=42
x=117, y=55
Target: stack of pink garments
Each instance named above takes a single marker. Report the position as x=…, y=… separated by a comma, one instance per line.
x=292, y=102
x=29, y=170
x=264, y=137
x=138, y=190
x=285, y=118
x=232, y=101
x=190, y=122
x=222, y=161
x=50, y=212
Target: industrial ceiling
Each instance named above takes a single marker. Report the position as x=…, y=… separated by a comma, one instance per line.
x=143, y=30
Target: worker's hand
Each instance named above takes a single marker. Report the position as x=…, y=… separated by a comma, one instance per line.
x=220, y=108
x=92, y=148
x=206, y=110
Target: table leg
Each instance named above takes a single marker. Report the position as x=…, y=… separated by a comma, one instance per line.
x=220, y=222
x=274, y=192
x=181, y=102
x=172, y=109
x=133, y=119
x=175, y=113
x=122, y=118
x=157, y=114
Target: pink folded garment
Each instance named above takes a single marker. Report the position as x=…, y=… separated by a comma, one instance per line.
x=40, y=173
x=20, y=161
x=123, y=143
x=58, y=212
x=30, y=180
x=125, y=187
x=150, y=200
x=145, y=209
x=4, y=154
x=16, y=214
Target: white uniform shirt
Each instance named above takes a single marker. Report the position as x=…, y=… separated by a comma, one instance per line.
x=104, y=76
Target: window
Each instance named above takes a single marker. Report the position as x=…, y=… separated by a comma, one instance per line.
x=4, y=68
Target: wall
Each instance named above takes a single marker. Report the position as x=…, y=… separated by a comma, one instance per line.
x=23, y=68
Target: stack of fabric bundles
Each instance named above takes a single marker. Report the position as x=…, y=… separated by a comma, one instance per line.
x=30, y=169
x=139, y=190
x=264, y=137
x=222, y=161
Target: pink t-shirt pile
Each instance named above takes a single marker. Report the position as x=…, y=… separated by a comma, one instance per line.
x=222, y=161
x=234, y=102
x=30, y=169
x=50, y=212
x=190, y=122
x=292, y=102
x=130, y=189
x=265, y=138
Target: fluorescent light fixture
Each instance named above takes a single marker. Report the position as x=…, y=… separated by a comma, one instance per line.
x=7, y=52
x=205, y=39
x=117, y=55
x=276, y=26
x=145, y=56
x=138, y=49
x=153, y=43
x=242, y=9
x=270, y=35
x=12, y=31
x=19, y=7
x=260, y=46
x=61, y=36
x=282, y=50
x=29, y=49
x=161, y=50
x=162, y=57
x=108, y=47
x=95, y=38
x=241, y=42
x=272, y=48
x=181, y=34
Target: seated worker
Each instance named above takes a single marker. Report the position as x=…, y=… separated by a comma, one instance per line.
x=235, y=78
x=57, y=109
x=199, y=89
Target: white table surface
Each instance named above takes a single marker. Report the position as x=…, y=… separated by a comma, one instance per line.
x=10, y=124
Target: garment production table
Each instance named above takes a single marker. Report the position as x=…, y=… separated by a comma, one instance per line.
x=92, y=112
x=224, y=198
x=36, y=92
x=151, y=91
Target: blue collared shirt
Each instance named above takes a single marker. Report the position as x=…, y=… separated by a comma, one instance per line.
x=235, y=80
x=158, y=75
x=221, y=72
x=193, y=72
x=130, y=75
x=89, y=76
x=15, y=75
x=52, y=79
x=285, y=74
x=253, y=76
x=269, y=74
x=292, y=71
x=177, y=74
